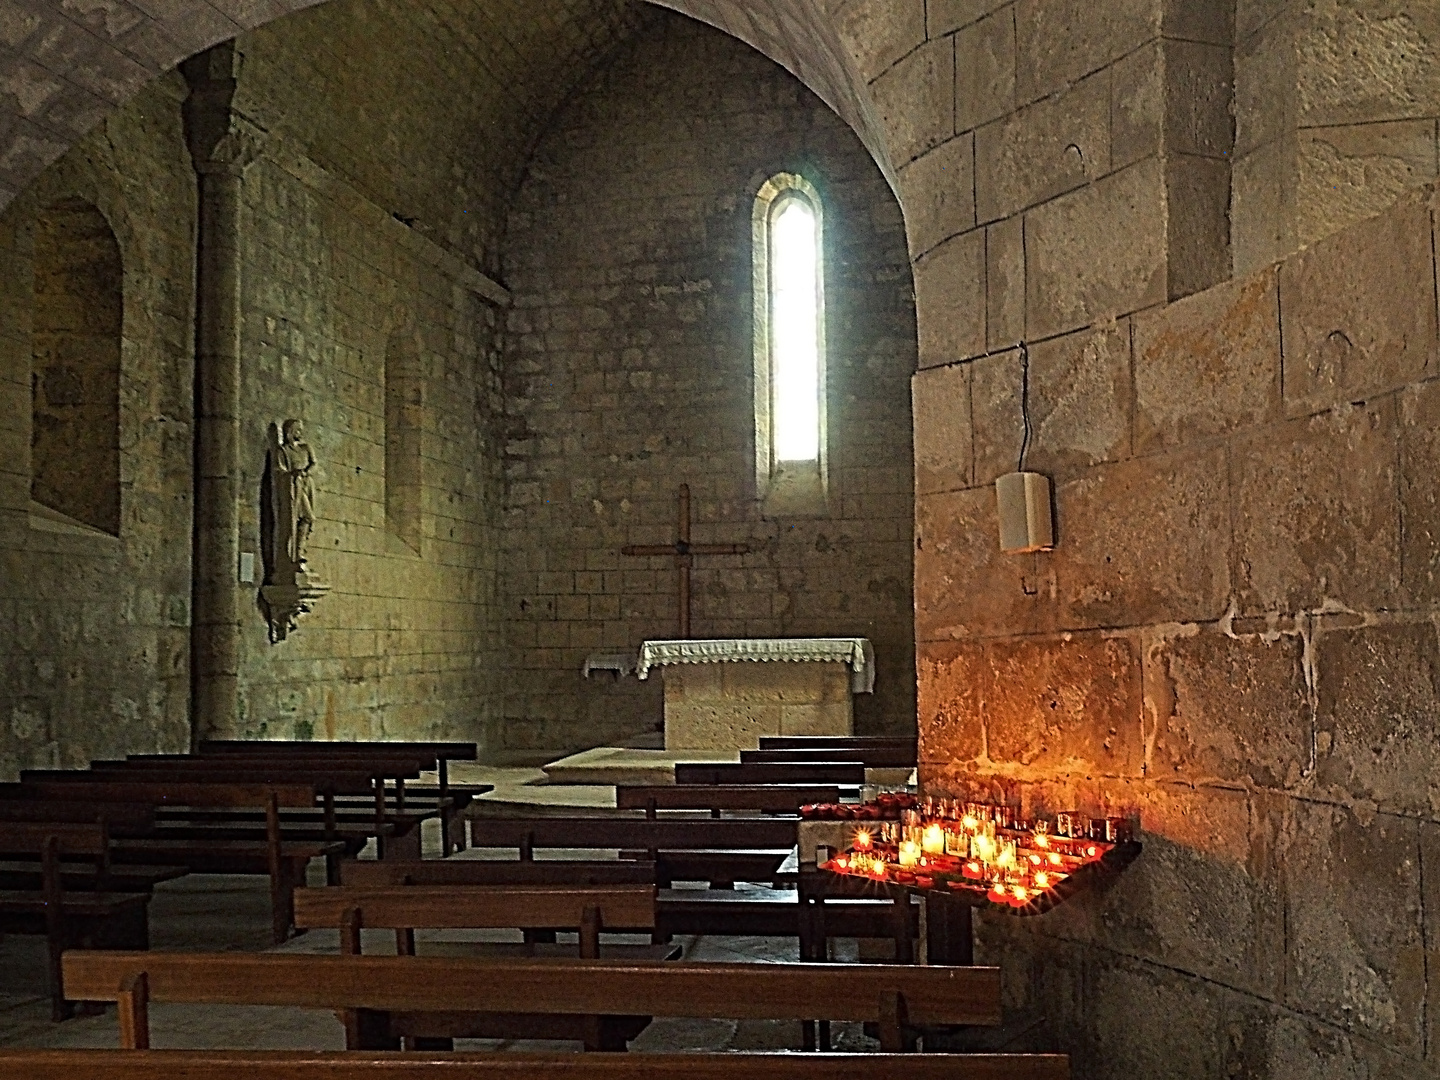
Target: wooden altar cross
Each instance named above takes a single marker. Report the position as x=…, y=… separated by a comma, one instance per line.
x=684, y=552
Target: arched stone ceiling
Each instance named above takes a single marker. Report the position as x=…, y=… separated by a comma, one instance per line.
x=65, y=64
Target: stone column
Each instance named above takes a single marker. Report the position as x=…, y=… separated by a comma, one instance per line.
x=221, y=146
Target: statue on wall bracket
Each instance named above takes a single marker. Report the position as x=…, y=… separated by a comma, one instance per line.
x=287, y=521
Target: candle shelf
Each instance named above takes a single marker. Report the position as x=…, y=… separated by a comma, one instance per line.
x=985, y=856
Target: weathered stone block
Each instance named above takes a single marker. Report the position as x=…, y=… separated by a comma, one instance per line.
x=1114, y=563
x=1359, y=311
x=1263, y=206
x=964, y=585
x=1420, y=493
x=880, y=32
x=1208, y=365
x=1265, y=83
x=1150, y=1040
x=947, y=16
x=999, y=425
x=1137, y=105
x=1367, y=60
x=1316, y=513
x=1080, y=400
x=1059, y=42
x=1351, y=173
x=1199, y=87
x=1044, y=150
x=939, y=193
x=916, y=100
x=985, y=71
x=944, y=448
x=1379, y=690
x=1227, y=709
x=1209, y=21
x=1053, y=706
x=1354, y=922
x=1005, y=283
x=950, y=300
x=1097, y=252
x=1197, y=197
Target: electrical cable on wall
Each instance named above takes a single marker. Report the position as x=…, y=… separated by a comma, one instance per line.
x=1024, y=403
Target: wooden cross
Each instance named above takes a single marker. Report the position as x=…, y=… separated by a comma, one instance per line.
x=685, y=553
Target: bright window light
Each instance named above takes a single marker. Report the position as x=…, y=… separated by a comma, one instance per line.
x=795, y=331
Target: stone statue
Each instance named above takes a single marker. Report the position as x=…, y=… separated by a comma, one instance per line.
x=288, y=513
x=295, y=490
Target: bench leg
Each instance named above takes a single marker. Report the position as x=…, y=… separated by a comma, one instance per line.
x=282, y=897
x=366, y=1029
x=60, y=1009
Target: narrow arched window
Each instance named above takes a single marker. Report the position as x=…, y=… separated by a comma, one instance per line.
x=789, y=291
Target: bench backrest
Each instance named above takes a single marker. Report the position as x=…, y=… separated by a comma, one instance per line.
x=818, y=742
x=389, y=765
x=449, y=751
x=810, y=772
x=124, y=815
x=259, y=1065
x=365, y=872
x=478, y=907
x=71, y=838
x=767, y=798
x=872, y=757
x=172, y=792
x=892, y=995
x=340, y=780
x=638, y=833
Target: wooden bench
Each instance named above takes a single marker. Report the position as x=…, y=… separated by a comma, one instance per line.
x=443, y=753
x=576, y=872
x=259, y=1065
x=760, y=798
x=847, y=742
x=843, y=773
x=423, y=997
x=100, y=917
x=282, y=860
x=407, y=908
x=872, y=757
x=723, y=851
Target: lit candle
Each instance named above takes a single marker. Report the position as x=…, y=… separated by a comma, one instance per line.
x=909, y=853
x=1042, y=880
x=864, y=840
x=932, y=840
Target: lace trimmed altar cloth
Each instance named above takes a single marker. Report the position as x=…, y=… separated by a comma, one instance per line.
x=728, y=693
x=857, y=653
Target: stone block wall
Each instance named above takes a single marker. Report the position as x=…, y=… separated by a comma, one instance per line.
x=1059, y=162
x=1233, y=642
x=1337, y=107
x=94, y=627
x=629, y=370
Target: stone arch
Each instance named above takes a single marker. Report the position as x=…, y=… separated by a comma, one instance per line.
x=132, y=47
x=75, y=374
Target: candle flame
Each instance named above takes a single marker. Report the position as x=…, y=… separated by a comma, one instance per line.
x=864, y=840
x=1042, y=880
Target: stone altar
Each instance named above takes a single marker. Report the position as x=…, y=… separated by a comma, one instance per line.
x=725, y=694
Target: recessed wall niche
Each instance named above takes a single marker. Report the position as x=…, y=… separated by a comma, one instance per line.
x=75, y=366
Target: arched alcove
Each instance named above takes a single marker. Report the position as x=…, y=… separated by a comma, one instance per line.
x=75, y=374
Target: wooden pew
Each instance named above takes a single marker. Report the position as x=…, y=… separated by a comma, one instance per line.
x=397, y=833
x=25, y=873
x=407, y=908
x=573, y=872
x=417, y=997
x=872, y=757
x=699, y=849
x=844, y=773
x=818, y=742
x=460, y=796
x=98, y=916
x=283, y=860
x=260, y=1065
x=761, y=798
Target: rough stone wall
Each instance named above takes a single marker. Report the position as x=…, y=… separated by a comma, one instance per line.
x=1234, y=641
x=1337, y=107
x=630, y=368
x=1059, y=163
x=94, y=640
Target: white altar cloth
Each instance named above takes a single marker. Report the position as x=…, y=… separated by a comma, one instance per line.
x=856, y=652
